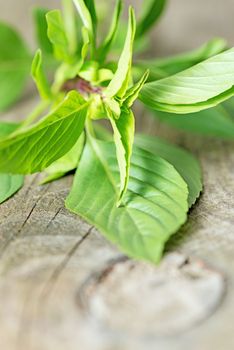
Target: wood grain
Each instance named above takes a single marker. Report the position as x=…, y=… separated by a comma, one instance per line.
x=63, y=286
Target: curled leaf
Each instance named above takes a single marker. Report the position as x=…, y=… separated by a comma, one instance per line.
x=119, y=84
x=200, y=87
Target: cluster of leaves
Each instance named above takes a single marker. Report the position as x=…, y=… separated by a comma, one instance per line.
x=136, y=190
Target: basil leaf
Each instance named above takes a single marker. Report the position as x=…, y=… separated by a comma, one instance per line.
x=39, y=16
x=200, y=87
x=91, y=7
x=67, y=163
x=9, y=184
x=217, y=121
x=154, y=208
x=152, y=12
x=68, y=71
x=163, y=67
x=84, y=14
x=133, y=92
x=7, y=128
x=39, y=77
x=15, y=61
x=86, y=18
x=141, y=45
x=102, y=133
x=85, y=46
x=119, y=84
x=34, y=148
x=124, y=128
x=57, y=35
x=186, y=165
x=105, y=47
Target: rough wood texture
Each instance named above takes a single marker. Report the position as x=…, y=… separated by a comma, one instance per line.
x=62, y=286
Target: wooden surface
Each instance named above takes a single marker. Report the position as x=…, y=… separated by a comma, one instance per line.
x=63, y=286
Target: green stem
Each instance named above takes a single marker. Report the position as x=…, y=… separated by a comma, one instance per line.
x=36, y=112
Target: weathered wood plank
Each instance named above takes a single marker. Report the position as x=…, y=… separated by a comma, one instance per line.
x=64, y=286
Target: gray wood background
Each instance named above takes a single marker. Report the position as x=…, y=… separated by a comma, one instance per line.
x=62, y=286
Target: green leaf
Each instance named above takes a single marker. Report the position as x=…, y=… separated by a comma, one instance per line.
x=34, y=148
x=39, y=77
x=186, y=165
x=152, y=12
x=102, y=133
x=67, y=163
x=141, y=45
x=9, y=184
x=68, y=71
x=15, y=61
x=133, y=92
x=119, y=84
x=86, y=18
x=124, y=128
x=154, y=208
x=163, y=67
x=85, y=46
x=7, y=128
x=103, y=75
x=57, y=35
x=91, y=7
x=217, y=121
x=39, y=16
x=200, y=87
x=105, y=47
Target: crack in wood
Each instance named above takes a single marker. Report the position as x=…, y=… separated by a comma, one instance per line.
x=59, y=269
x=53, y=218
x=29, y=187
x=19, y=231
